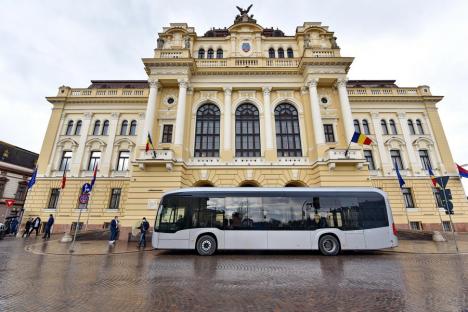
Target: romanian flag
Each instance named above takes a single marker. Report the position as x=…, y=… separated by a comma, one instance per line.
x=462, y=172
x=433, y=178
x=64, y=179
x=361, y=139
x=93, y=180
x=149, y=143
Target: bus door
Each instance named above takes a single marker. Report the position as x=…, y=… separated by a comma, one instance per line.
x=173, y=232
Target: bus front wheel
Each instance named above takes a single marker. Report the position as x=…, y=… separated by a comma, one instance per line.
x=329, y=245
x=206, y=245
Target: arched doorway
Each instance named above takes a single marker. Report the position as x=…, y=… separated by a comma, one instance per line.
x=249, y=183
x=203, y=183
x=295, y=184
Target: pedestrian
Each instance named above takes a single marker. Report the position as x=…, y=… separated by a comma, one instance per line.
x=27, y=227
x=48, y=227
x=114, y=229
x=35, y=225
x=14, y=226
x=144, y=227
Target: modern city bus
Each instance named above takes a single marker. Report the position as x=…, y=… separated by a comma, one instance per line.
x=327, y=219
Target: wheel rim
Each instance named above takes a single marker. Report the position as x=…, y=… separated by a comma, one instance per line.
x=329, y=245
x=206, y=245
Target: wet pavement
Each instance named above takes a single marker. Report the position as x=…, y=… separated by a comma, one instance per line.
x=123, y=279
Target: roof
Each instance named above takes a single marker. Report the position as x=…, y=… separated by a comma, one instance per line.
x=17, y=156
x=117, y=84
x=372, y=83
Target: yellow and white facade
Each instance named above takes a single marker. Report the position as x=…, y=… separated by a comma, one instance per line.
x=241, y=106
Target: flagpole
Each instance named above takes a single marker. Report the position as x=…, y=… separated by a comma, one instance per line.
x=406, y=209
x=450, y=217
x=347, y=150
x=76, y=230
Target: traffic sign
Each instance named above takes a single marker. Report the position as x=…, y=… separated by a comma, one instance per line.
x=9, y=202
x=84, y=199
x=86, y=189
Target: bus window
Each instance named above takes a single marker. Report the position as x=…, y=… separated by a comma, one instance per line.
x=373, y=211
x=208, y=212
x=171, y=216
x=285, y=213
x=245, y=213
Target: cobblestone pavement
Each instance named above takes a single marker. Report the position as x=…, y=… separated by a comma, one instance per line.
x=230, y=281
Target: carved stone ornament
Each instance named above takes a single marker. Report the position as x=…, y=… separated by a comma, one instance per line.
x=313, y=83
x=266, y=90
x=153, y=83
x=341, y=82
x=88, y=115
x=227, y=91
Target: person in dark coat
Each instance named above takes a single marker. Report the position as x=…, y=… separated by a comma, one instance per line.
x=35, y=225
x=48, y=227
x=27, y=228
x=144, y=227
x=14, y=226
x=114, y=229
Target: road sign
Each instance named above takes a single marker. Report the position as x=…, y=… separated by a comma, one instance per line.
x=84, y=199
x=86, y=189
x=9, y=202
x=442, y=181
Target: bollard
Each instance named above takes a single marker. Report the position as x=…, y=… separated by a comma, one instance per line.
x=437, y=237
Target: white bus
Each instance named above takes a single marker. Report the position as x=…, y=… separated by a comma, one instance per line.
x=326, y=219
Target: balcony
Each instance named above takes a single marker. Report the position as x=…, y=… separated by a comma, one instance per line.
x=84, y=92
x=159, y=157
x=247, y=62
x=384, y=92
x=336, y=156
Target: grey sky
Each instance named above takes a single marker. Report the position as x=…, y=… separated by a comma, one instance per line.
x=48, y=43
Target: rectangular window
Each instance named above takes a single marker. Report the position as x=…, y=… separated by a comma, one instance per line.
x=2, y=185
x=65, y=161
x=167, y=134
x=447, y=226
x=408, y=197
x=94, y=160
x=396, y=159
x=21, y=191
x=416, y=225
x=329, y=134
x=370, y=159
x=438, y=197
x=122, y=164
x=115, y=198
x=425, y=160
x=54, y=197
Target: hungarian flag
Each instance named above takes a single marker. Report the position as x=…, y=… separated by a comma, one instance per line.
x=462, y=172
x=361, y=139
x=149, y=143
x=433, y=178
x=64, y=179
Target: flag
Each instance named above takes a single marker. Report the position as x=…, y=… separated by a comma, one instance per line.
x=361, y=139
x=400, y=179
x=64, y=179
x=32, y=181
x=462, y=172
x=93, y=180
x=433, y=178
x=149, y=143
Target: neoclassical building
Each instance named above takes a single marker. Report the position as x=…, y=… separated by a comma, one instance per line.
x=242, y=106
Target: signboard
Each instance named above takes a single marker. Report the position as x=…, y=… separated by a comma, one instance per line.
x=9, y=202
x=84, y=199
x=86, y=189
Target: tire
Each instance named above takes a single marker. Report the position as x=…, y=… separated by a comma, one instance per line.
x=206, y=245
x=329, y=245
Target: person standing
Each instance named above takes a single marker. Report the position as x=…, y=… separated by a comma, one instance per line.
x=144, y=227
x=27, y=227
x=35, y=225
x=48, y=227
x=14, y=226
x=114, y=229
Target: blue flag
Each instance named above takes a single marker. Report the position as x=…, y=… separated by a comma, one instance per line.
x=32, y=181
x=400, y=179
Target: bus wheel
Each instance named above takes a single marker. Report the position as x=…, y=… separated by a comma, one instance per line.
x=206, y=245
x=329, y=245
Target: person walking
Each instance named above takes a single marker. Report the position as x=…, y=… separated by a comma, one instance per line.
x=35, y=225
x=14, y=226
x=114, y=229
x=48, y=227
x=144, y=227
x=27, y=227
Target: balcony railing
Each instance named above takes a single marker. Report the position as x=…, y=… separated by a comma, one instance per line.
x=109, y=92
x=247, y=62
x=383, y=91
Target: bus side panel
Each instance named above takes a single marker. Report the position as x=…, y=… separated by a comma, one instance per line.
x=377, y=238
x=289, y=240
x=177, y=240
x=315, y=236
x=194, y=233
x=246, y=239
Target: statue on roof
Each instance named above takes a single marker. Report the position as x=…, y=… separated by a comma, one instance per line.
x=242, y=11
x=244, y=16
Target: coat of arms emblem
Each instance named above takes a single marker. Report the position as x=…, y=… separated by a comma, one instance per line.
x=246, y=47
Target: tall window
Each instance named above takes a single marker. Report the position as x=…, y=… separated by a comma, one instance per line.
x=122, y=163
x=69, y=128
x=408, y=197
x=133, y=126
x=167, y=134
x=201, y=53
x=396, y=159
x=247, y=131
x=21, y=191
x=94, y=160
x=393, y=127
x=123, y=128
x=115, y=198
x=357, y=127
x=411, y=127
x=365, y=126
x=370, y=159
x=383, y=123
x=329, y=134
x=105, y=127
x=219, y=53
x=280, y=53
x=271, y=53
x=438, y=197
x=288, y=138
x=290, y=53
x=3, y=182
x=425, y=160
x=53, y=199
x=420, y=127
x=97, y=125
x=210, y=54
x=65, y=161
x=78, y=127
x=207, y=131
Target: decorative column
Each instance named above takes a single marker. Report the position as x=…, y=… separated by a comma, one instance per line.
x=150, y=115
x=435, y=146
x=180, y=117
x=267, y=114
x=414, y=165
x=386, y=166
x=316, y=116
x=106, y=160
x=227, y=118
x=77, y=158
x=345, y=109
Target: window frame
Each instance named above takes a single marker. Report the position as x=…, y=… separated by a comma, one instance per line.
x=115, y=197
x=271, y=53
x=357, y=126
x=383, y=125
x=21, y=191
x=393, y=127
x=201, y=53
x=97, y=127
x=287, y=131
x=397, y=160
x=370, y=159
x=123, y=127
x=93, y=160
x=78, y=126
x=53, y=198
x=219, y=53
x=166, y=136
x=281, y=53
x=411, y=128
x=290, y=52
x=207, y=131
x=408, y=197
x=247, y=131
x=425, y=159
x=133, y=127
x=419, y=126
x=329, y=134
x=65, y=166
x=210, y=54
x=69, y=129
x=123, y=162
x=105, y=128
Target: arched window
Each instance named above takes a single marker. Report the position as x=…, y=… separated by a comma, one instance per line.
x=280, y=53
x=201, y=53
x=290, y=53
x=123, y=128
x=365, y=126
x=210, y=54
x=97, y=125
x=393, y=126
x=207, y=131
x=219, y=53
x=288, y=138
x=271, y=53
x=357, y=126
x=133, y=126
x=69, y=128
x=383, y=123
x=78, y=127
x=105, y=127
x=247, y=131
x=420, y=127
x=411, y=127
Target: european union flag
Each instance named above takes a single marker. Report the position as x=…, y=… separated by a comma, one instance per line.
x=400, y=179
x=32, y=181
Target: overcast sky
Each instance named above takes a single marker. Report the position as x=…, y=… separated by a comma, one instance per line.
x=45, y=44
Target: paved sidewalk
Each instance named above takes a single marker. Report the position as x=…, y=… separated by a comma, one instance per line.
x=429, y=247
